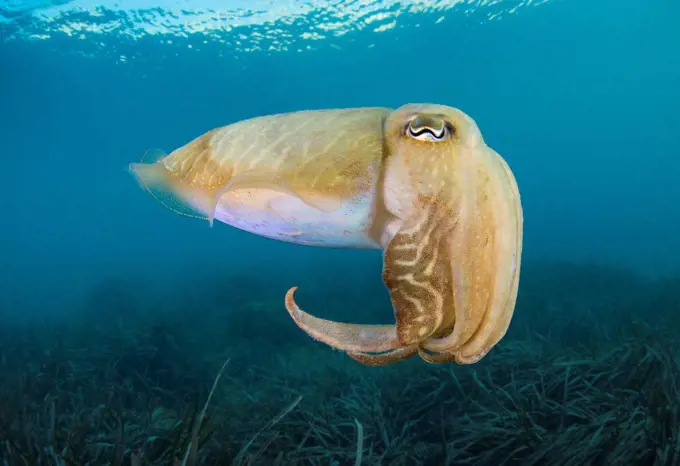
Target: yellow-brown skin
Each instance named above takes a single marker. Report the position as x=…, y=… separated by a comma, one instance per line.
x=445, y=210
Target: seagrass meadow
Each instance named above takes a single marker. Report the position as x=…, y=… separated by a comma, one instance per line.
x=588, y=375
x=134, y=336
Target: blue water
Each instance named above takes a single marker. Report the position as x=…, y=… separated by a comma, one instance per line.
x=582, y=98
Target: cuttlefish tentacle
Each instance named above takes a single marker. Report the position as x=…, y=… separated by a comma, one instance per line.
x=353, y=338
x=372, y=345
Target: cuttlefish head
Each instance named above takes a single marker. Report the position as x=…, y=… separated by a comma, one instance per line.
x=450, y=225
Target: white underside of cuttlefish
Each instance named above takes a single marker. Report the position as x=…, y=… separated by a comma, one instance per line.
x=285, y=217
x=417, y=182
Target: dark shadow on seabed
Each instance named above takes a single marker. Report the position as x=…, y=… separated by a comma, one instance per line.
x=588, y=375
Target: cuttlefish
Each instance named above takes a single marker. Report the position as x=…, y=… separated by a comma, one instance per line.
x=418, y=183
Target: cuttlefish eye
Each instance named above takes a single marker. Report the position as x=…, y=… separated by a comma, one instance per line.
x=429, y=128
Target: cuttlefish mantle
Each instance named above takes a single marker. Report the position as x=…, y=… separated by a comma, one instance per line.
x=418, y=182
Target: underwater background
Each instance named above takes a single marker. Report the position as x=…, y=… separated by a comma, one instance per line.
x=116, y=314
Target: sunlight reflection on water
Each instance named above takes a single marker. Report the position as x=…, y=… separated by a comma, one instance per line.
x=244, y=25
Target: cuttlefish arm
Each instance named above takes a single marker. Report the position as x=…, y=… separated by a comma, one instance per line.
x=358, y=340
x=353, y=338
x=451, y=231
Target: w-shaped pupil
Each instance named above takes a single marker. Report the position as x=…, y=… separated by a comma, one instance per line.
x=423, y=127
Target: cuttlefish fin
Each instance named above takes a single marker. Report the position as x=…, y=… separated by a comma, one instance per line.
x=353, y=338
x=417, y=271
x=154, y=177
x=257, y=179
